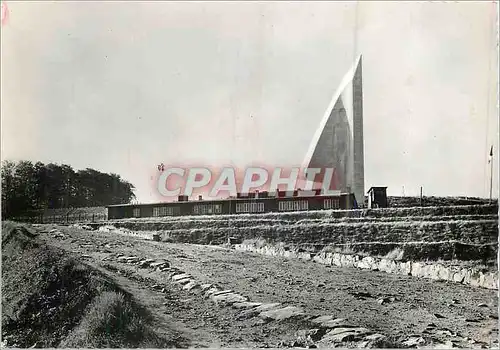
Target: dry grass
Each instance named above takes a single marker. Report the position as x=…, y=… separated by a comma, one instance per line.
x=52, y=299
x=395, y=254
x=113, y=320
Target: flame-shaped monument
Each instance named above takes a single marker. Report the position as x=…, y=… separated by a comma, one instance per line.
x=338, y=141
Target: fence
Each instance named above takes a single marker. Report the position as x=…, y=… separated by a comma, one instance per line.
x=62, y=219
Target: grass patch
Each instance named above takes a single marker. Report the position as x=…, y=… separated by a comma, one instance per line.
x=52, y=299
x=114, y=320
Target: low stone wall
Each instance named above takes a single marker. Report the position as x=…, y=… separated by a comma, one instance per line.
x=125, y=232
x=416, y=251
x=437, y=271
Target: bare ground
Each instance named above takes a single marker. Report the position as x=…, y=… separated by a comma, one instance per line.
x=394, y=305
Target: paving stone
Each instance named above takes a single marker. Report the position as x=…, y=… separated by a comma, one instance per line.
x=148, y=260
x=365, y=344
x=183, y=281
x=222, y=292
x=245, y=305
x=385, y=300
x=191, y=285
x=358, y=330
x=375, y=336
x=339, y=338
x=145, y=263
x=304, y=339
x=282, y=314
x=159, y=263
x=266, y=307
x=372, y=341
x=129, y=259
x=448, y=345
x=180, y=276
x=340, y=335
x=337, y=323
x=210, y=291
x=257, y=310
x=414, y=341
x=315, y=335
x=228, y=298
x=445, y=332
x=321, y=319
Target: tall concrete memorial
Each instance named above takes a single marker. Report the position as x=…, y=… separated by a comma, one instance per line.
x=338, y=141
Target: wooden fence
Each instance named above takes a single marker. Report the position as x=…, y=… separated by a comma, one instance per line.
x=62, y=219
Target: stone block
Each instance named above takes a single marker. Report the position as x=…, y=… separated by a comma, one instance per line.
x=282, y=314
x=180, y=276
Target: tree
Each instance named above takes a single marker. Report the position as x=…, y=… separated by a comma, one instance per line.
x=27, y=187
x=8, y=191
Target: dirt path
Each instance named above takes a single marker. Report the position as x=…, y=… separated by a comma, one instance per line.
x=394, y=305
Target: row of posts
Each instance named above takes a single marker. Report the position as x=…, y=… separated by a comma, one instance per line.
x=64, y=218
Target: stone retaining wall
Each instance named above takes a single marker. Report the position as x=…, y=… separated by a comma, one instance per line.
x=428, y=249
x=436, y=271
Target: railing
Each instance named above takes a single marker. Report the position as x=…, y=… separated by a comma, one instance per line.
x=62, y=219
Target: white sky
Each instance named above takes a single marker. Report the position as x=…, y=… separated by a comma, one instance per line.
x=124, y=86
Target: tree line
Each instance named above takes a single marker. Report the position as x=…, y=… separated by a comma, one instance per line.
x=28, y=187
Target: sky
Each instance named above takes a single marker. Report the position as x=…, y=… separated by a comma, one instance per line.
x=124, y=86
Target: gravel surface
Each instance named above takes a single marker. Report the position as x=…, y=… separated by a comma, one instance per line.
x=394, y=305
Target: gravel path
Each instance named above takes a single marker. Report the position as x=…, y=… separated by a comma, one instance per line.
x=394, y=305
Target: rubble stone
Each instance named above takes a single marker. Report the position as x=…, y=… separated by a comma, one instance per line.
x=281, y=314
x=228, y=298
x=191, y=285
x=245, y=305
x=180, y=277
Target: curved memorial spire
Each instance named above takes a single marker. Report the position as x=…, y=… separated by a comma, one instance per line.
x=338, y=141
